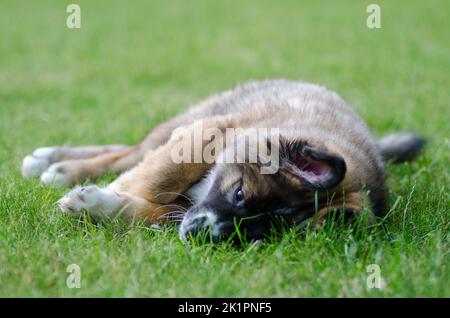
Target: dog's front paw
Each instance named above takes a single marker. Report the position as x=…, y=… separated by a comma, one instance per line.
x=36, y=163
x=96, y=201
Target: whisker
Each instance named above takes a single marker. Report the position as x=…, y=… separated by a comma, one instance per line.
x=174, y=213
x=179, y=194
x=171, y=205
x=173, y=216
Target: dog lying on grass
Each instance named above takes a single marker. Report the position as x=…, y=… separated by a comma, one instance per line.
x=327, y=162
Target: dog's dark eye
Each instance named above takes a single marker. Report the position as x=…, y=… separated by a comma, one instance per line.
x=238, y=195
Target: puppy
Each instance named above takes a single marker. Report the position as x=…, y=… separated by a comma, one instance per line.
x=326, y=162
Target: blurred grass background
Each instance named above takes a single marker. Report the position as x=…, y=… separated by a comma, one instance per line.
x=134, y=64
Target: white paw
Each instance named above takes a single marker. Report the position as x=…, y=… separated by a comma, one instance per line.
x=57, y=175
x=96, y=201
x=36, y=163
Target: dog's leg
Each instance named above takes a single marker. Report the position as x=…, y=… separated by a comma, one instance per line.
x=69, y=172
x=106, y=202
x=41, y=159
x=35, y=164
x=150, y=190
x=67, y=165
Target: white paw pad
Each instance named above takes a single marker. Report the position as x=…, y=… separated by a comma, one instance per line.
x=96, y=201
x=36, y=163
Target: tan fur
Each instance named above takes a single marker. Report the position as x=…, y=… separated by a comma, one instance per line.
x=301, y=111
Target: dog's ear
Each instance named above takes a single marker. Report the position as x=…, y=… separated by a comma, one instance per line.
x=310, y=167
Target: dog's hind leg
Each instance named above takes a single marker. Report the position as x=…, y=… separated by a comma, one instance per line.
x=63, y=166
x=68, y=165
x=35, y=164
x=69, y=172
x=41, y=160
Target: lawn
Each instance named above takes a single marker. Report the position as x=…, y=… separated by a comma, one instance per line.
x=134, y=64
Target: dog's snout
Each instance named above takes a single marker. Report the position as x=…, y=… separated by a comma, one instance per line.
x=197, y=222
x=192, y=227
x=195, y=226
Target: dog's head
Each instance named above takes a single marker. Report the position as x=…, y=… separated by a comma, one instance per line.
x=239, y=195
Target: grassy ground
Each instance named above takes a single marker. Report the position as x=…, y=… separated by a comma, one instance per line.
x=134, y=64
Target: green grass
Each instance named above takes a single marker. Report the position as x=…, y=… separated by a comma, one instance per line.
x=135, y=64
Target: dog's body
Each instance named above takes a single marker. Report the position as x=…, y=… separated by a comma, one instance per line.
x=328, y=162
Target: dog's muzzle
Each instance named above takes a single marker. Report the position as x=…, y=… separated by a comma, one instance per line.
x=198, y=221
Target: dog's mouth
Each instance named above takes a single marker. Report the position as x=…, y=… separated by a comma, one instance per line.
x=205, y=223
